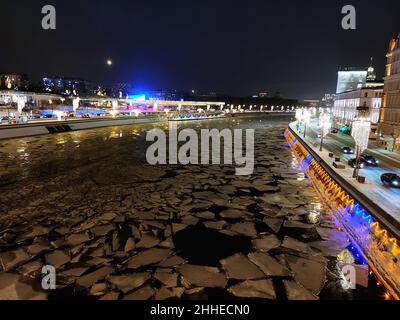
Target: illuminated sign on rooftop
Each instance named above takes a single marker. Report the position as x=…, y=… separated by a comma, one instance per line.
x=350, y=80
x=137, y=97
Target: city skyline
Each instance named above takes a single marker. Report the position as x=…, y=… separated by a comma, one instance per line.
x=230, y=49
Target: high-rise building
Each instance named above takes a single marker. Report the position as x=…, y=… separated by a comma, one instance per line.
x=390, y=112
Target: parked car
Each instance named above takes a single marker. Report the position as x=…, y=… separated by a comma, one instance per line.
x=369, y=160
x=334, y=130
x=347, y=150
x=352, y=163
x=391, y=179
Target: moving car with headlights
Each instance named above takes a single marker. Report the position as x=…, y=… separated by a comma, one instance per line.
x=352, y=163
x=391, y=179
x=369, y=160
x=347, y=150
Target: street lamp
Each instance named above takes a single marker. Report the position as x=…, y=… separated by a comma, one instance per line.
x=306, y=120
x=20, y=104
x=325, y=125
x=360, y=133
x=59, y=114
x=299, y=117
x=75, y=104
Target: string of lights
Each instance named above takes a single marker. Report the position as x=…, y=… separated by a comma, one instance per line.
x=370, y=238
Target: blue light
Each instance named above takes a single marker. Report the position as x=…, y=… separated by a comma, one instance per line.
x=355, y=253
x=137, y=97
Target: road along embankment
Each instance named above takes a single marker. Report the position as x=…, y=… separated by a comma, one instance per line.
x=370, y=228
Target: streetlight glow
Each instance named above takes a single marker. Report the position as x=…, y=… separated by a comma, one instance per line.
x=360, y=133
x=325, y=125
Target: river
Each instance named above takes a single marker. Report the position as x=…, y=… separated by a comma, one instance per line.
x=115, y=227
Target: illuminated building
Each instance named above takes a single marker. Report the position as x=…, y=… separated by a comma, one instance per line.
x=166, y=95
x=349, y=80
x=358, y=94
x=65, y=86
x=390, y=114
x=328, y=100
x=362, y=102
x=13, y=81
x=312, y=103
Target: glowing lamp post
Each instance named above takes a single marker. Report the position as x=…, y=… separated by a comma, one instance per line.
x=114, y=110
x=325, y=125
x=75, y=104
x=299, y=117
x=360, y=133
x=306, y=120
x=115, y=105
x=20, y=104
x=59, y=114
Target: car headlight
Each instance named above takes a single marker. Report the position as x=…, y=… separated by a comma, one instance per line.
x=369, y=161
x=395, y=183
x=376, y=161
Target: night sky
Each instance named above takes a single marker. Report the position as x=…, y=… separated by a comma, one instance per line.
x=226, y=46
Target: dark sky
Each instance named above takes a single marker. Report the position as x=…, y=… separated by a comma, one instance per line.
x=233, y=47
